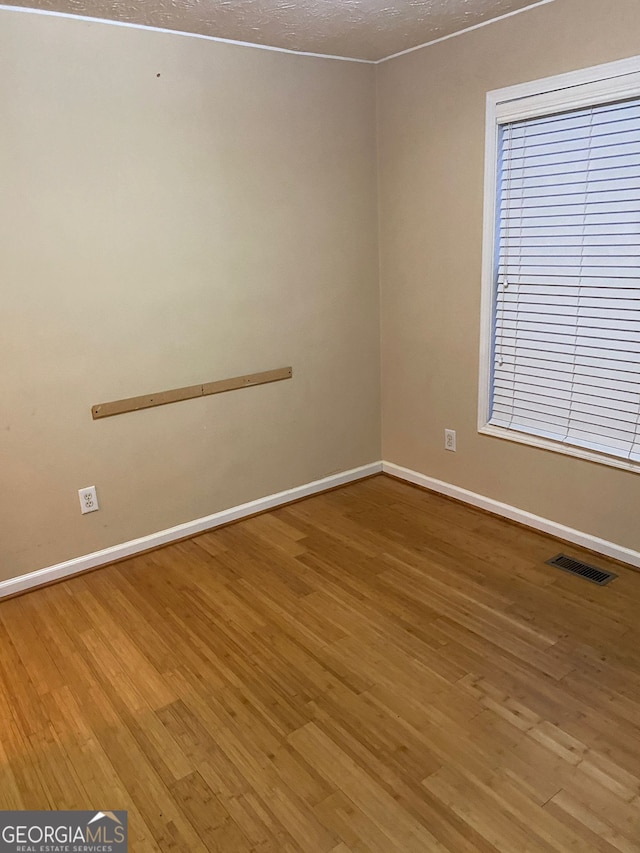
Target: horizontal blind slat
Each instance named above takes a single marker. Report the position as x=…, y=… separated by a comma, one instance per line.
x=564, y=171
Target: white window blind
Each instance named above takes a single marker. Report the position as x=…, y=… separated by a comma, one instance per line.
x=566, y=309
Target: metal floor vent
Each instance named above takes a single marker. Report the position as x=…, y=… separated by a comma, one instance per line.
x=584, y=570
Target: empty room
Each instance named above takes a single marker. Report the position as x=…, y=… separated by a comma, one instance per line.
x=320, y=426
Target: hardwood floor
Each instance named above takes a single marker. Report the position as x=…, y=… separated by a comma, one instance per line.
x=372, y=669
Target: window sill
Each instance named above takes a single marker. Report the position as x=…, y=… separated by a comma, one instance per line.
x=557, y=447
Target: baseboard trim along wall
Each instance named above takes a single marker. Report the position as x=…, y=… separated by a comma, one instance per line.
x=577, y=537
x=42, y=577
x=48, y=575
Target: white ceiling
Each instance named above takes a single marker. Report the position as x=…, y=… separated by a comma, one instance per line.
x=360, y=29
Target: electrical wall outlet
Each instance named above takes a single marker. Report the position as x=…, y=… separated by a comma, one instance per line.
x=450, y=439
x=88, y=499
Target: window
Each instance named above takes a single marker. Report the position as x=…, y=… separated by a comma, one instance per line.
x=560, y=354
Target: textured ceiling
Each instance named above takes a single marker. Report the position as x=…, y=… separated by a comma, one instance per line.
x=362, y=29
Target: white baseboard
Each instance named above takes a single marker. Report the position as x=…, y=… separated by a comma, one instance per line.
x=577, y=537
x=190, y=528
x=209, y=522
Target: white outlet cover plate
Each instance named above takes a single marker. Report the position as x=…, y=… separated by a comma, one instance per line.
x=88, y=499
x=450, y=439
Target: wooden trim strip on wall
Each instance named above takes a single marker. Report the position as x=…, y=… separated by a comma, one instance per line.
x=176, y=395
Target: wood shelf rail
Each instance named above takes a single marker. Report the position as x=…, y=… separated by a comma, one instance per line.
x=176, y=395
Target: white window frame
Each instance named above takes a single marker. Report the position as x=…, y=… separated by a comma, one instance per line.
x=597, y=85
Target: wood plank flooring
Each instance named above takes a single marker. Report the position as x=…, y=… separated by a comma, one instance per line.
x=372, y=669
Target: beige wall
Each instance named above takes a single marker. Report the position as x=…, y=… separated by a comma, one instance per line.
x=158, y=231
x=221, y=219
x=431, y=138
